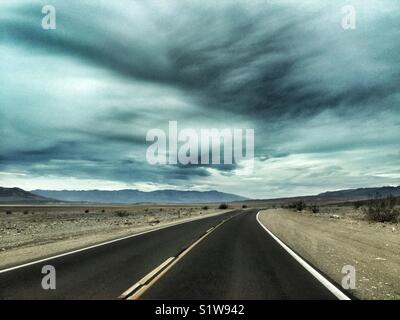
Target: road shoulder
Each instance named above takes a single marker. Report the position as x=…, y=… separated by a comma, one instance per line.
x=330, y=244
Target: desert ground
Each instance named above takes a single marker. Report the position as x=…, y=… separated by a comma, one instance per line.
x=335, y=236
x=340, y=235
x=32, y=232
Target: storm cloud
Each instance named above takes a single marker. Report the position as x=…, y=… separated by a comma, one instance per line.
x=76, y=102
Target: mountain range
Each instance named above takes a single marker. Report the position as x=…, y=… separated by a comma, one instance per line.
x=136, y=196
x=17, y=195
x=362, y=193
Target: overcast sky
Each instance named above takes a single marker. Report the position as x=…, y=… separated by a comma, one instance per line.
x=76, y=102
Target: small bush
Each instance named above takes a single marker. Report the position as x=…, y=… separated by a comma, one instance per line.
x=299, y=205
x=87, y=211
x=204, y=208
x=314, y=209
x=223, y=206
x=357, y=204
x=8, y=212
x=121, y=213
x=25, y=212
x=382, y=210
x=244, y=206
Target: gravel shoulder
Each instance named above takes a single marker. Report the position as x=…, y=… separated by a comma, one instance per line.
x=30, y=233
x=338, y=237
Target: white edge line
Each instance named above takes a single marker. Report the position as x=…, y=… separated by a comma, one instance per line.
x=325, y=282
x=102, y=244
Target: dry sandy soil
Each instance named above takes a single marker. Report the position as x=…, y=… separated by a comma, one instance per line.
x=32, y=232
x=340, y=236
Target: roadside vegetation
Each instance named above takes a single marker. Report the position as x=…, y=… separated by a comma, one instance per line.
x=382, y=210
x=375, y=210
x=298, y=205
x=223, y=206
x=122, y=213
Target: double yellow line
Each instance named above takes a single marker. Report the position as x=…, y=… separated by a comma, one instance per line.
x=140, y=287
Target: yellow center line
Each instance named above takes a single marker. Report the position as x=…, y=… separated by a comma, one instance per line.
x=140, y=287
x=146, y=278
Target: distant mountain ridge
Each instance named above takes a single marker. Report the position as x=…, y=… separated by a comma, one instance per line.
x=136, y=196
x=19, y=195
x=339, y=196
x=363, y=193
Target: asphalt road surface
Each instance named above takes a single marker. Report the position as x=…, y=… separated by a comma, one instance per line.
x=236, y=260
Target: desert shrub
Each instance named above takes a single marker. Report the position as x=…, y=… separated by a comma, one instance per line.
x=244, y=206
x=87, y=211
x=161, y=209
x=102, y=211
x=121, y=213
x=299, y=205
x=223, y=206
x=314, y=209
x=8, y=212
x=204, y=208
x=357, y=204
x=25, y=212
x=382, y=210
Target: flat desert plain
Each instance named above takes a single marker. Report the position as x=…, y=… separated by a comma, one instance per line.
x=32, y=232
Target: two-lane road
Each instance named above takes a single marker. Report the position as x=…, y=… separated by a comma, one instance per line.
x=106, y=271
x=237, y=260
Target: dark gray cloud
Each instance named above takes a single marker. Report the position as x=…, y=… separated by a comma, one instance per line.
x=247, y=61
x=78, y=101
